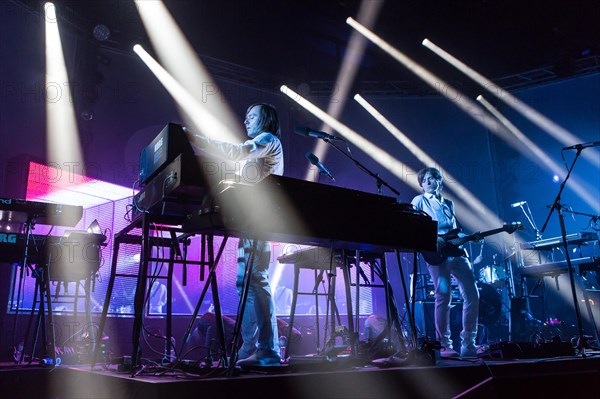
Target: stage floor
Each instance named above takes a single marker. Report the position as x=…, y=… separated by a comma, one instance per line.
x=317, y=378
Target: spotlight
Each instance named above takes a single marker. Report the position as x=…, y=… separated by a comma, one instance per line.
x=50, y=12
x=94, y=227
x=87, y=115
x=85, y=254
x=101, y=32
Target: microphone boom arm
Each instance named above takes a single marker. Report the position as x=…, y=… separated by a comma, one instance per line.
x=379, y=180
x=556, y=204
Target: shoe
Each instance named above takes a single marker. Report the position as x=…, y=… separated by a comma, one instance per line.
x=243, y=354
x=259, y=361
x=468, y=351
x=448, y=352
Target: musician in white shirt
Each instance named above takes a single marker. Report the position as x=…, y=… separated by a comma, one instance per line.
x=442, y=210
x=262, y=155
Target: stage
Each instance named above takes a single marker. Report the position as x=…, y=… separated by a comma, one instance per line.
x=337, y=378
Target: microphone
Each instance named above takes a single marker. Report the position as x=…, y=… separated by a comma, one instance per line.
x=308, y=132
x=516, y=204
x=582, y=145
x=312, y=158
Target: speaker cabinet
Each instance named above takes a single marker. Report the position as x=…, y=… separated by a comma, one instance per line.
x=425, y=320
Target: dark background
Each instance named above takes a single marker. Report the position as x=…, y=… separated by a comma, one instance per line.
x=546, y=54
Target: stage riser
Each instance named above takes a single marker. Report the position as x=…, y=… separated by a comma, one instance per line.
x=560, y=378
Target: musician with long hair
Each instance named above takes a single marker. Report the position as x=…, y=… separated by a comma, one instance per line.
x=262, y=155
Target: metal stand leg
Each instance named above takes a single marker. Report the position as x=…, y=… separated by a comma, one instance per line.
x=332, y=312
x=36, y=291
x=45, y=302
x=97, y=335
x=346, y=274
x=46, y=282
x=293, y=311
x=138, y=303
x=215, y=295
x=581, y=344
x=589, y=310
x=391, y=311
x=212, y=283
x=24, y=264
x=242, y=306
x=409, y=302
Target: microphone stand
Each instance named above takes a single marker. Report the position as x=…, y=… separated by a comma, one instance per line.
x=594, y=218
x=380, y=184
x=581, y=344
x=529, y=217
x=380, y=181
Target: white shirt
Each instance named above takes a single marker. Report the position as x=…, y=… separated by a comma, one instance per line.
x=261, y=156
x=440, y=209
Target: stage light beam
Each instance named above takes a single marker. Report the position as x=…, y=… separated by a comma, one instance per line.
x=445, y=89
x=367, y=14
x=529, y=149
x=63, y=147
x=178, y=57
x=63, y=144
x=489, y=220
x=389, y=162
x=559, y=133
x=385, y=159
x=200, y=116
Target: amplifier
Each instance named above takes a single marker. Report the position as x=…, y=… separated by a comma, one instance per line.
x=425, y=320
x=426, y=292
x=179, y=188
x=166, y=146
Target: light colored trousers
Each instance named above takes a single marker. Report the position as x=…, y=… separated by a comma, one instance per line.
x=259, y=323
x=460, y=269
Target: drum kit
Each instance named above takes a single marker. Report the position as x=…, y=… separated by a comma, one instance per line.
x=491, y=292
x=491, y=284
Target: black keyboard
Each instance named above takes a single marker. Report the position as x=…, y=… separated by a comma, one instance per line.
x=572, y=239
x=559, y=267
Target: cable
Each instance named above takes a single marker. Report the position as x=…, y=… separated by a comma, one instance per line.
x=154, y=277
x=172, y=176
x=133, y=199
